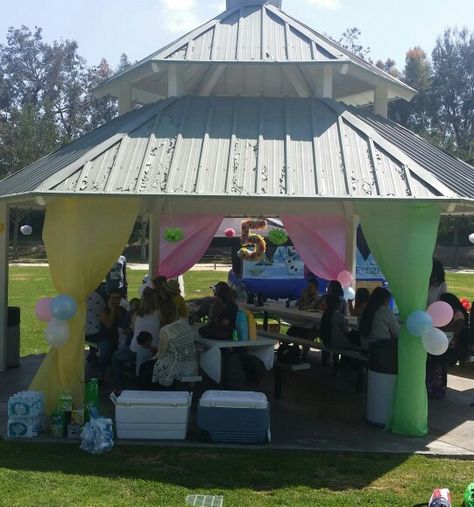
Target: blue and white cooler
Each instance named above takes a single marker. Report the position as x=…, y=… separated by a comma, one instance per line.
x=235, y=416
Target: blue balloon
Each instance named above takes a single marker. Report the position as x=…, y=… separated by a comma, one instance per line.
x=419, y=322
x=63, y=307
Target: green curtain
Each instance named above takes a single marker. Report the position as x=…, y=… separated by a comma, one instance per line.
x=402, y=237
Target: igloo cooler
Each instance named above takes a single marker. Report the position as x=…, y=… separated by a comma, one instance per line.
x=149, y=415
x=235, y=416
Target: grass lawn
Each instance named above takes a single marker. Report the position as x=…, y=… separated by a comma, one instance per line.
x=63, y=475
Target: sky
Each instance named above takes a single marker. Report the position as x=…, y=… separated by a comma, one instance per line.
x=108, y=28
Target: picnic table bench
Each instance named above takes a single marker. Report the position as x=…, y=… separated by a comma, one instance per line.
x=280, y=367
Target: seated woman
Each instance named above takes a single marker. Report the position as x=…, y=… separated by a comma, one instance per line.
x=356, y=308
x=459, y=326
x=357, y=305
x=334, y=288
x=334, y=328
x=378, y=321
x=222, y=315
x=309, y=296
x=145, y=320
x=437, y=366
x=176, y=356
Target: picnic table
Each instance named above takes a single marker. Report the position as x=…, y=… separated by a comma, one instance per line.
x=210, y=359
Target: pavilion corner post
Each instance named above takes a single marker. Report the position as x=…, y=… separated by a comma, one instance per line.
x=4, y=241
x=154, y=234
x=351, y=221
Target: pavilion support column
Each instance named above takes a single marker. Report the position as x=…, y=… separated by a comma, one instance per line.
x=4, y=240
x=381, y=101
x=175, y=82
x=351, y=222
x=154, y=233
x=324, y=85
x=125, y=100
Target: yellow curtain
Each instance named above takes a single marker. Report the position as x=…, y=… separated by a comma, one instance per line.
x=83, y=237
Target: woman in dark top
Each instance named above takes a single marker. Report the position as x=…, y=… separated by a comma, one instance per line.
x=222, y=315
x=114, y=320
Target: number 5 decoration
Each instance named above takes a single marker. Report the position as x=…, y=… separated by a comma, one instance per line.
x=256, y=242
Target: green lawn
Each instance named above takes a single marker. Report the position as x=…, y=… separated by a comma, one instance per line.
x=63, y=475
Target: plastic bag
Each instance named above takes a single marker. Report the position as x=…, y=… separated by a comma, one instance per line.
x=97, y=435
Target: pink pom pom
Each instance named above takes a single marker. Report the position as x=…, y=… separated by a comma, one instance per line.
x=229, y=233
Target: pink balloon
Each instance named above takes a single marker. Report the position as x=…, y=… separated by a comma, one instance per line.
x=43, y=309
x=345, y=278
x=441, y=313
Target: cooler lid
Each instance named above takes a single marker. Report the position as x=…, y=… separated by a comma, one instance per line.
x=234, y=399
x=155, y=398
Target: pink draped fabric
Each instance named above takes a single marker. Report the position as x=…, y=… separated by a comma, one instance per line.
x=177, y=258
x=320, y=240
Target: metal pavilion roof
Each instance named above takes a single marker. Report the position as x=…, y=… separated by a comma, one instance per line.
x=246, y=147
x=253, y=49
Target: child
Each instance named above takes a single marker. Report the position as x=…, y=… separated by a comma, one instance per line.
x=144, y=350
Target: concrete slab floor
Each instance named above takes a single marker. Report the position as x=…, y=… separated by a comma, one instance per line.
x=316, y=412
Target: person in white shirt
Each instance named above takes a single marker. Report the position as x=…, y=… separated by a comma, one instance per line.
x=378, y=321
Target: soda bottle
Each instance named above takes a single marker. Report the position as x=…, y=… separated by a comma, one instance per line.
x=91, y=398
x=235, y=335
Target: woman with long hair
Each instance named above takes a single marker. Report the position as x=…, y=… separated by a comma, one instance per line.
x=437, y=285
x=222, y=315
x=145, y=320
x=378, y=320
x=437, y=366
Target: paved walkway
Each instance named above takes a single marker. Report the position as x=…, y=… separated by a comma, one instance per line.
x=138, y=266
x=318, y=412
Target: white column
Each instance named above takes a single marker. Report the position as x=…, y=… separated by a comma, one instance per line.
x=324, y=84
x=4, y=240
x=174, y=81
x=154, y=232
x=352, y=222
x=125, y=100
x=381, y=101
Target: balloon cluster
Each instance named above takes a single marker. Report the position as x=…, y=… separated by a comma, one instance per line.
x=346, y=279
x=426, y=324
x=56, y=312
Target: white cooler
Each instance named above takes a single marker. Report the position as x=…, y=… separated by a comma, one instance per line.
x=150, y=415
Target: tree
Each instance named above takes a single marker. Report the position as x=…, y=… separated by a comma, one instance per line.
x=417, y=114
x=452, y=92
x=389, y=66
x=350, y=39
x=45, y=97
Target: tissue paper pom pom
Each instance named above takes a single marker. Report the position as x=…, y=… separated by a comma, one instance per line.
x=229, y=233
x=278, y=237
x=174, y=234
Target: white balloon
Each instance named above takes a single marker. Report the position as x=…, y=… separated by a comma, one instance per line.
x=57, y=332
x=26, y=230
x=471, y=237
x=435, y=341
x=349, y=293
